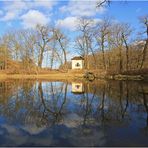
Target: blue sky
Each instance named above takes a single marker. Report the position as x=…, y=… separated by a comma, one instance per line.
x=129, y=11
x=26, y=14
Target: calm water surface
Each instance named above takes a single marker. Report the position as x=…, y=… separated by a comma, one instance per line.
x=44, y=113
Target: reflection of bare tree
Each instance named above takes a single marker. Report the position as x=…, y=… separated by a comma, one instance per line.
x=100, y=108
x=123, y=109
x=6, y=90
x=114, y=102
x=56, y=112
x=145, y=102
x=102, y=104
x=17, y=96
x=88, y=106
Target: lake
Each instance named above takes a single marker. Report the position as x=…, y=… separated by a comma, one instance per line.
x=53, y=113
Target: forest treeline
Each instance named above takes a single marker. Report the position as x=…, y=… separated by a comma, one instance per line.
x=112, y=46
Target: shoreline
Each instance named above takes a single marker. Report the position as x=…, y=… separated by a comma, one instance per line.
x=67, y=76
x=59, y=76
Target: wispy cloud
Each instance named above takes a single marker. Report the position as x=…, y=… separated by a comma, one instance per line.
x=12, y=10
x=82, y=8
x=68, y=23
x=15, y=9
x=76, y=9
x=34, y=17
x=71, y=23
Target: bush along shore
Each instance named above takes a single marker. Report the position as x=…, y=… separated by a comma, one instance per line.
x=130, y=76
x=126, y=77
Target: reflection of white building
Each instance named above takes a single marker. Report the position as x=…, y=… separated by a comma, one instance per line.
x=77, y=87
x=77, y=62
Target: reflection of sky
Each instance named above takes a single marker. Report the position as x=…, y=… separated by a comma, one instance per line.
x=56, y=135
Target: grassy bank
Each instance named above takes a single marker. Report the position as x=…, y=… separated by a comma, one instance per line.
x=71, y=74
x=58, y=76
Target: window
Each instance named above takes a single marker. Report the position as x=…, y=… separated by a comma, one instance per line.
x=77, y=65
x=77, y=86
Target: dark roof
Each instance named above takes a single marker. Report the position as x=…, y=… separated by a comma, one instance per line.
x=77, y=58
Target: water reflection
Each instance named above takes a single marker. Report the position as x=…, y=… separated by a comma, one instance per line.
x=77, y=87
x=38, y=113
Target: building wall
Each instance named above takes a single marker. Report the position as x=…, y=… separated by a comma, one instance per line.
x=80, y=62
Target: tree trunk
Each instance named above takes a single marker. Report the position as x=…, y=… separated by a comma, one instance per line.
x=40, y=60
x=127, y=52
x=103, y=53
x=144, y=53
x=120, y=60
x=145, y=47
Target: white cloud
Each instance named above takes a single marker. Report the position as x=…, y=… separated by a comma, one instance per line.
x=82, y=8
x=34, y=17
x=21, y=5
x=44, y=3
x=9, y=16
x=14, y=9
x=68, y=23
x=96, y=20
x=71, y=23
x=15, y=5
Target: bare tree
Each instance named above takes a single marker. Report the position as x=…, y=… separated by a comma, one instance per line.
x=84, y=42
x=5, y=51
x=27, y=42
x=126, y=31
x=62, y=41
x=43, y=39
x=101, y=3
x=144, y=21
x=120, y=39
x=101, y=34
x=13, y=44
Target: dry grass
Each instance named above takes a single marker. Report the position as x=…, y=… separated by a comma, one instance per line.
x=49, y=76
